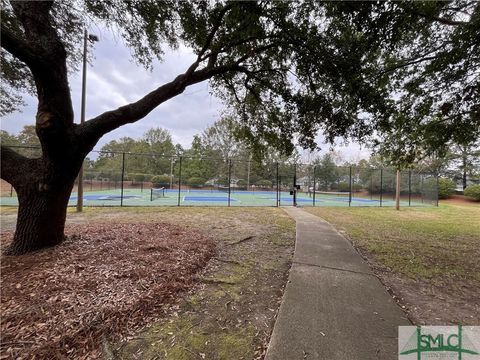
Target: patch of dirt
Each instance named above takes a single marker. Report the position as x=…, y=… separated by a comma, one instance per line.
x=429, y=303
x=104, y=283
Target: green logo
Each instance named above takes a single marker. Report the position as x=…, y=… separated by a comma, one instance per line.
x=439, y=342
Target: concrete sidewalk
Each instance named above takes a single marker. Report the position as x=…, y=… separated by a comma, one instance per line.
x=333, y=307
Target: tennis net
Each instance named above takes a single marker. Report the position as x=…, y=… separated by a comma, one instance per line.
x=224, y=189
x=156, y=193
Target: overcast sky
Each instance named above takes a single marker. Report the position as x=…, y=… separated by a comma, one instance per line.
x=113, y=80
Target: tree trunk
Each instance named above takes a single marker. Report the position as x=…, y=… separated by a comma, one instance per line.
x=41, y=218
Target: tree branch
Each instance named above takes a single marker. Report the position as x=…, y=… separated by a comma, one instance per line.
x=10, y=165
x=91, y=131
x=442, y=20
x=213, y=31
x=46, y=56
x=435, y=18
x=406, y=63
x=17, y=46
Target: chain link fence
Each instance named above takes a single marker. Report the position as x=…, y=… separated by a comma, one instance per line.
x=131, y=179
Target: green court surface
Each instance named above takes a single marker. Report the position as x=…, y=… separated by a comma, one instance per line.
x=174, y=197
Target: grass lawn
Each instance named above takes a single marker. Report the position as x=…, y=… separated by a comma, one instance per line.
x=224, y=311
x=427, y=257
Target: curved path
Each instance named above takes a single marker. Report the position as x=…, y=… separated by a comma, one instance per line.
x=333, y=307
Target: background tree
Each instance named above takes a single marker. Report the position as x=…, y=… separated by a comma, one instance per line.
x=325, y=171
x=468, y=159
x=290, y=69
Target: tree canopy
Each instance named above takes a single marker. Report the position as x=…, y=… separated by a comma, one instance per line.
x=404, y=72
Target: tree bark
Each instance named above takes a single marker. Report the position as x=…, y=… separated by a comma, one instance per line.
x=41, y=218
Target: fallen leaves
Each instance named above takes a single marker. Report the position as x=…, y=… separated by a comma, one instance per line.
x=105, y=281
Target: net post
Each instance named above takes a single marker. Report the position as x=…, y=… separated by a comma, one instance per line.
x=278, y=187
x=314, y=185
x=437, y=183
x=409, y=187
x=151, y=194
x=123, y=175
x=350, y=193
x=381, y=187
x=179, y=181
x=229, y=179
x=11, y=190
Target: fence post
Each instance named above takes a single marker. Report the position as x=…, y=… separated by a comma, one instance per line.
x=421, y=187
x=381, y=187
x=436, y=175
x=229, y=179
x=371, y=186
x=314, y=185
x=123, y=173
x=350, y=194
x=278, y=187
x=179, y=181
x=409, y=187
x=171, y=172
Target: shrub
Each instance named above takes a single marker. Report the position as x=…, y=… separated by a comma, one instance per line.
x=222, y=181
x=136, y=177
x=196, y=182
x=473, y=192
x=160, y=180
x=345, y=186
x=264, y=183
x=242, y=182
x=446, y=187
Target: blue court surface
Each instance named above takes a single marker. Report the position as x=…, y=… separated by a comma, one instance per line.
x=105, y=197
x=208, y=198
x=214, y=197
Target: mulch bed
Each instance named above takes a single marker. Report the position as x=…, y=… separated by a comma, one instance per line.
x=105, y=282
x=459, y=200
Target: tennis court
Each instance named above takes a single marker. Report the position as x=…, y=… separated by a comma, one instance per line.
x=215, y=197
x=132, y=179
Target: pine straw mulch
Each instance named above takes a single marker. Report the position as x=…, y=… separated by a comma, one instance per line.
x=106, y=281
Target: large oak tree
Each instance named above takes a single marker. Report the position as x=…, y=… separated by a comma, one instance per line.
x=289, y=69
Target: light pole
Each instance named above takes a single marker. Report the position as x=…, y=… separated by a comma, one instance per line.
x=92, y=38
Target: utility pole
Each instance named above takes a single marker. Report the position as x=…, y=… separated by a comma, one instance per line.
x=92, y=38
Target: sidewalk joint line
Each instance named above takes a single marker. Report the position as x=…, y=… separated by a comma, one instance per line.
x=332, y=268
